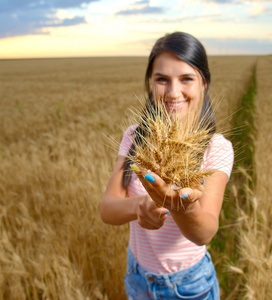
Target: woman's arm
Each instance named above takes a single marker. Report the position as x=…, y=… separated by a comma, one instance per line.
x=116, y=209
x=198, y=220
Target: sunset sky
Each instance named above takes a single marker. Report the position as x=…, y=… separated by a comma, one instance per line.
x=76, y=28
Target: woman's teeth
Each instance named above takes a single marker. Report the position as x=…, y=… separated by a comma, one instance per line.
x=175, y=105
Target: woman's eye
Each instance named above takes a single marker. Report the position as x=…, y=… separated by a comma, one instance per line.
x=187, y=79
x=161, y=79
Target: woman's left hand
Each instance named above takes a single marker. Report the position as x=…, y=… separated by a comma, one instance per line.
x=195, y=212
x=168, y=197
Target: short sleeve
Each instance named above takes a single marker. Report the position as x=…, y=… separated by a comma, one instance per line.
x=127, y=140
x=219, y=155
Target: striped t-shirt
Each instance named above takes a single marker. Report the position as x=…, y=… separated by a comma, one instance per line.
x=166, y=249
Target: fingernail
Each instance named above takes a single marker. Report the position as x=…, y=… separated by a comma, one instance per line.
x=203, y=180
x=135, y=168
x=183, y=197
x=149, y=178
x=167, y=212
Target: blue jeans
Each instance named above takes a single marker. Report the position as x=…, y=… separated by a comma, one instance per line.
x=197, y=282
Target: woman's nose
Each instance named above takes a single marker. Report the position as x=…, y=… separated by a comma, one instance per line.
x=173, y=90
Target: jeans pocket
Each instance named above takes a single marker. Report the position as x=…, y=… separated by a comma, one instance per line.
x=199, y=286
x=202, y=292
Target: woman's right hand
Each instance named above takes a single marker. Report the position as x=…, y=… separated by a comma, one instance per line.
x=117, y=209
x=150, y=215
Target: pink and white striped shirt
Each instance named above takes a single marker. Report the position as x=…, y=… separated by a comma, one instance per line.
x=166, y=249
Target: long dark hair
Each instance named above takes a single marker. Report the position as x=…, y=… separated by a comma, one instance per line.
x=190, y=50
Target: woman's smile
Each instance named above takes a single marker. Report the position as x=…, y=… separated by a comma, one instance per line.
x=175, y=105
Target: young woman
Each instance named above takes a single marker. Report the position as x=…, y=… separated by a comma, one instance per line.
x=167, y=256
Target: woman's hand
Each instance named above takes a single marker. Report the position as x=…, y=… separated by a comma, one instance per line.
x=195, y=212
x=117, y=209
x=163, y=195
x=150, y=215
x=187, y=197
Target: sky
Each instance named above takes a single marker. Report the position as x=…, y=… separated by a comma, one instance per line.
x=81, y=28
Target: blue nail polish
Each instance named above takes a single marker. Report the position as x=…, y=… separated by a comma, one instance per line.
x=185, y=196
x=167, y=212
x=203, y=180
x=149, y=178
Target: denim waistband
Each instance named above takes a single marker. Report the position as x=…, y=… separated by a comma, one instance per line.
x=184, y=274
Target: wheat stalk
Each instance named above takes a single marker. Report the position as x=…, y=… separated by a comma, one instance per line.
x=173, y=148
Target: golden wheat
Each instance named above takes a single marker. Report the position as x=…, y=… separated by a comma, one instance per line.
x=172, y=148
x=255, y=225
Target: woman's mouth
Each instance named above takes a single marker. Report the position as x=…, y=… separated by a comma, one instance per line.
x=175, y=105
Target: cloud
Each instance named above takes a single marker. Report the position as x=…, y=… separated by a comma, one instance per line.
x=16, y=5
x=195, y=18
x=26, y=17
x=69, y=22
x=205, y=18
x=223, y=1
x=238, y=46
x=247, y=2
x=143, y=2
x=141, y=7
x=260, y=11
x=139, y=11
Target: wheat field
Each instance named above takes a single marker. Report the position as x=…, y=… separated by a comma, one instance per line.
x=256, y=237
x=56, y=159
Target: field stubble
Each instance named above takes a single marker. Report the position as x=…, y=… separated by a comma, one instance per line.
x=55, y=166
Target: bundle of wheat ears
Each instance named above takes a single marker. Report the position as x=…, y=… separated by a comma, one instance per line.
x=173, y=147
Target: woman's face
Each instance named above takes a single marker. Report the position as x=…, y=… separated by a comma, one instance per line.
x=177, y=83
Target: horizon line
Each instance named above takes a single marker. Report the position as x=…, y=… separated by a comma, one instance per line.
x=113, y=56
